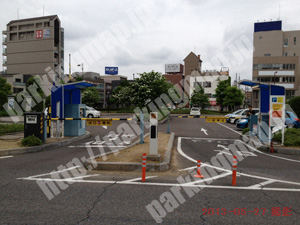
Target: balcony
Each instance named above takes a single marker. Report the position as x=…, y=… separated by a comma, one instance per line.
x=4, y=62
x=4, y=32
x=4, y=40
x=4, y=51
x=19, y=84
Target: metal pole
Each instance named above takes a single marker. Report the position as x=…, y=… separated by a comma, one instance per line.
x=142, y=127
x=168, y=130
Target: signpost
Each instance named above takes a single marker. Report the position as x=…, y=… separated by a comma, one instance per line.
x=277, y=112
x=153, y=134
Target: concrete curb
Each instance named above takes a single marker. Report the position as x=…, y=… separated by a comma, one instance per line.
x=125, y=166
x=282, y=150
x=17, y=151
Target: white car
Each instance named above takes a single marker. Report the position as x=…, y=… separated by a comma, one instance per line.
x=242, y=114
x=195, y=111
x=91, y=112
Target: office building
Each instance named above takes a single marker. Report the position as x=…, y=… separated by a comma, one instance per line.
x=276, y=58
x=33, y=46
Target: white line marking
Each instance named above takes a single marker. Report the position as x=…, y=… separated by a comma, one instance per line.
x=260, y=185
x=207, y=179
x=54, y=172
x=135, y=179
x=81, y=177
x=5, y=157
x=166, y=184
x=222, y=169
x=254, y=149
x=189, y=168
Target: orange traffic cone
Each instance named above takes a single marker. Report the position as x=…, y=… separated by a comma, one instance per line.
x=199, y=175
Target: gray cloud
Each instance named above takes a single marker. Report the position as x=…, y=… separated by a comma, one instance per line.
x=166, y=33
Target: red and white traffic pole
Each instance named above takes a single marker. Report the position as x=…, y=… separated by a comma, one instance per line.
x=144, y=167
x=234, y=167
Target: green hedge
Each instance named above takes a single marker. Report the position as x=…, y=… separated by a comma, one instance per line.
x=31, y=141
x=10, y=128
x=246, y=130
x=291, y=137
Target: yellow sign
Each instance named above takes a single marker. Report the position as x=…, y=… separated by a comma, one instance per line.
x=216, y=119
x=277, y=107
x=99, y=123
x=280, y=99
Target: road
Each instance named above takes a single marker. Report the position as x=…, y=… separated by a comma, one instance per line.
x=267, y=191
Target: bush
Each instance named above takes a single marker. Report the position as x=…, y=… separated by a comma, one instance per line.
x=31, y=141
x=10, y=128
x=246, y=130
x=295, y=104
x=291, y=137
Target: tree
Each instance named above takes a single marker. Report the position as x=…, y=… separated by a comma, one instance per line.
x=5, y=90
x=233, y=97
x=200, y=98
x=122, y=94
x=295, y=104
x=148, y=87
x=220, y=92
x=91, y=97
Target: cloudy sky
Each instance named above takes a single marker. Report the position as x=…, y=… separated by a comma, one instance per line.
x=139, y=36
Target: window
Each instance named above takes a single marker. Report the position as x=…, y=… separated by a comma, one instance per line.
x=197, y=84
x=13, y=28
x=208, y=95
x=18, y=80
x=268, y=54
x=289, y=94
x=295, y=40
x=206, y=84
x=286, y=42
x=39, y=25
x=46, y=24
x=294, y=54
x=13, y=37
x=22, y=35
x=17, y=90
x=288, y=79
x=285, y=54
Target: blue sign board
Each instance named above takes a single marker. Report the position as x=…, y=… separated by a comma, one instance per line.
x=267, y=26
x=111, y=70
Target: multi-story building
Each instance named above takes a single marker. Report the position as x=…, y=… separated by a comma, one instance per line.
x=33, y=46
x=276, y=58
x=194, y=77
x=17, y=82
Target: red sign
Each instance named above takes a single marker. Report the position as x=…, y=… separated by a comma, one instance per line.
x=277, y=114
x=38, y=34
x=213, y=102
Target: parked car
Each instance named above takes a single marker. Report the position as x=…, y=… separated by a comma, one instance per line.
x=291, y=121
x=195, y=111
x=231, y=114
x=91, y=112
x=241, y=115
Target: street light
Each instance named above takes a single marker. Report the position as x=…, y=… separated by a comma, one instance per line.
x=274, y=76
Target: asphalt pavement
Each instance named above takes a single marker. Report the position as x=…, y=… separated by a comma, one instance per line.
x=267, y=190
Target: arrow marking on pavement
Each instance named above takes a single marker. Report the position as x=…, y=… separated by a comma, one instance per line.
x=204, y=131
